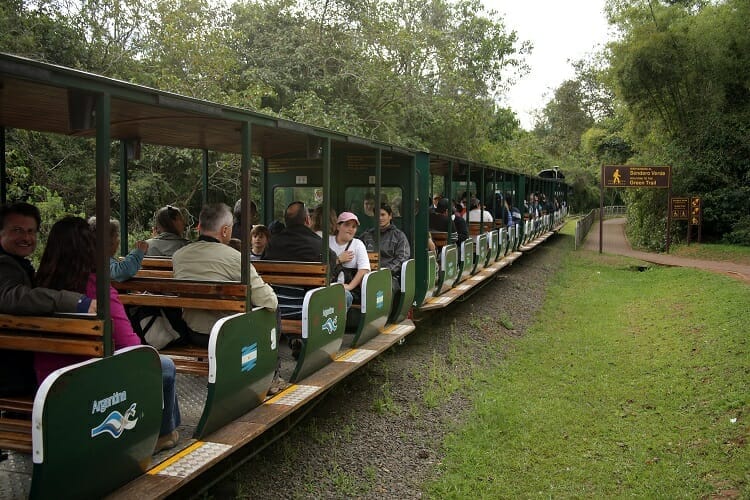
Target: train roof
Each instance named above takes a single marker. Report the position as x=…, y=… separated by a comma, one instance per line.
x=41, y=96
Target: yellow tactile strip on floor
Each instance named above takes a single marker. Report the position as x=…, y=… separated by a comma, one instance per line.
x=356, y=355
x=293, y=395
x=189, y=460
x=397, y=330
x=439, y=300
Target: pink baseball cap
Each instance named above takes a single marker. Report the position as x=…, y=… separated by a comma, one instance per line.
x=347, y=216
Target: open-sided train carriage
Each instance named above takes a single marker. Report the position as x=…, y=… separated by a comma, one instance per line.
x=55, y=434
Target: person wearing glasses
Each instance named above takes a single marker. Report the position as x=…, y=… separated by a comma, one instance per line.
x=170, y=229
x=212, y=259
x=19, y=226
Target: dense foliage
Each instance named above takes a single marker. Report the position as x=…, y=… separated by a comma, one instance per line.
x=672, y=88
x=419, y=74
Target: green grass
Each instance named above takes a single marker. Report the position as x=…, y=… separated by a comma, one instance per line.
x=713, y=251
x=626, y=386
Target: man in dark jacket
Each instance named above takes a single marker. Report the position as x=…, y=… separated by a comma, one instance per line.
x=297, y=241
x=19, y=224
x=441, y=221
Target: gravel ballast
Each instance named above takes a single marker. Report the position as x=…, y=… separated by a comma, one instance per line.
x=379, y=433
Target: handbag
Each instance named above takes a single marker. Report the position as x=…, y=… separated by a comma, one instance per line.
x=349, y=272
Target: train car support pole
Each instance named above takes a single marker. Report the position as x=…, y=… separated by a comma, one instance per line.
x=326, y=205
x=601, y=210
x=245, y=205
x=3, y=166
x=204, y=175
x=123, y=197
x=103, y=106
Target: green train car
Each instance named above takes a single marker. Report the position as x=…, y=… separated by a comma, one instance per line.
x=90, y=428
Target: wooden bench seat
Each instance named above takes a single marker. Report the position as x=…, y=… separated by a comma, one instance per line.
x=15, y=434
x=441, y=238
x=187, y=294
x=228, y=297
x=81, y=335
x=306, y=274
x=18, y=404
x=476, y=228
x=288, y=273
x=292, y=273
x=374, y=260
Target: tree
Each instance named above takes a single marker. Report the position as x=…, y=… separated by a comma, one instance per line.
x=682, y=70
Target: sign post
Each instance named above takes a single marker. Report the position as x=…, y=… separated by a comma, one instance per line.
x=696, y=216
x=679, y=207
x=631, y=176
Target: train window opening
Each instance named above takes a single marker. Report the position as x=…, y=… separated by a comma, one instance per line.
x=360, y=200
x=311, y=196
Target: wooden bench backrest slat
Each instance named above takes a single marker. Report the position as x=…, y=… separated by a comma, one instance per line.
x=293, y=280
x=374, y=260
x=440, y=238
x=8, y=425
x=156, y=263
x=291, y=272
x=191, y=366
x=73, y=326
x=25, y=341
x=154, y=273
x=474, y=227
x=291, y=326
x=212, y=289
x=289, y=267
x=17, y=404
x=230, y=305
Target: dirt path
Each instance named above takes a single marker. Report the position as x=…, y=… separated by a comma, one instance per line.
x=614, y=241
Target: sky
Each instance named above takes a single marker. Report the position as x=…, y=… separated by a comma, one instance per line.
x=560, y=31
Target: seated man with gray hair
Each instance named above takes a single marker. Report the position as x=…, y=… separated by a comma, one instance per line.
x=212, y=259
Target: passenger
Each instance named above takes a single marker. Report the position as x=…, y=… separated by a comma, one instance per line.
x=238, y=229
x=507, y=214
x=477, y=213
x=170, y=227
x=317, y=221
x=352, y=255
x=435, y=200
x=367, y=215
x=19, y=226
x=396, y=206
x=459, y=210
x=441, y=221
x=515, y=213
x=298, y=242
x=121, y=270
x=69, y=262
x=276, y=227
x=259, y=238
x=394, y=245
x=212, y=259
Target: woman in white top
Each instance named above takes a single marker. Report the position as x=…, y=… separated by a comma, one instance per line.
x=351, y=254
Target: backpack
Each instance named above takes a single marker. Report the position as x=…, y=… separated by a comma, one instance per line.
x=157, y=326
